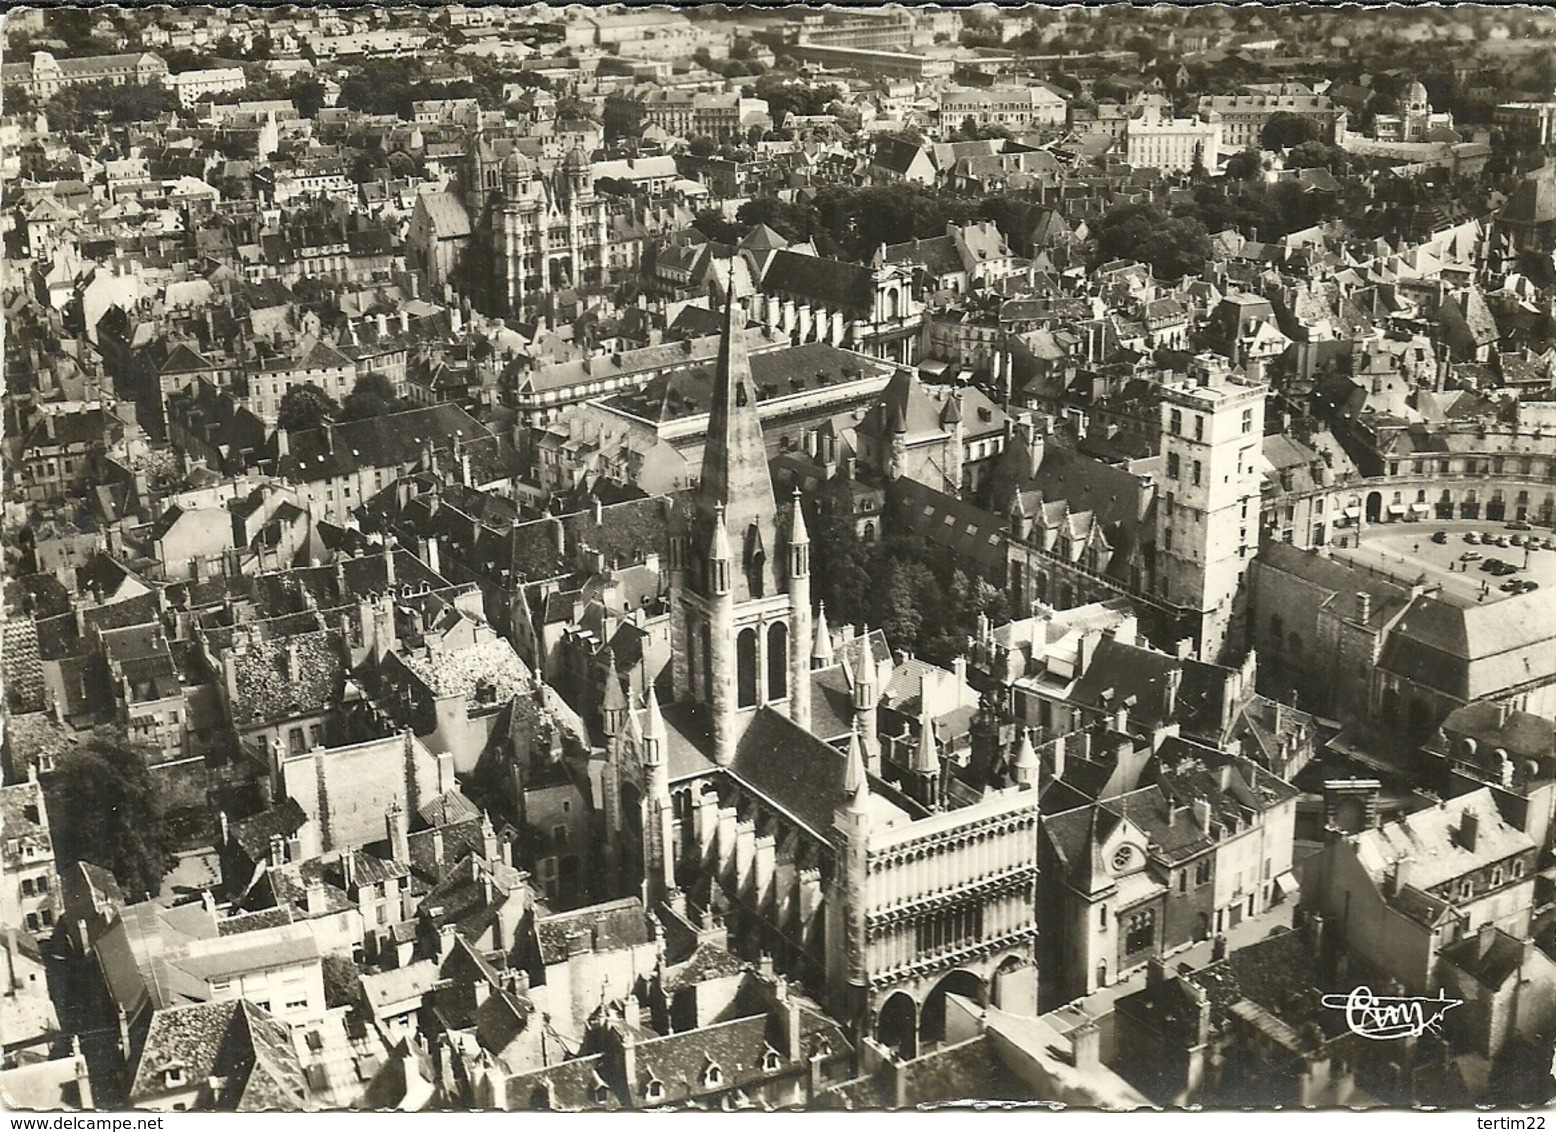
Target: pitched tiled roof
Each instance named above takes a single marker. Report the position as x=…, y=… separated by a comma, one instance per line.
x=236, y=1043
x=603, y=927
x=268, y=686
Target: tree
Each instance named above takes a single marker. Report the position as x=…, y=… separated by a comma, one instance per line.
x=842, y=566
x=79, y=108
x=1173, y=246
x=1283, y=131
x=342, y=982
x=1244, y=165
x=701, y=145
x=899, y=608
x=111, y=814
x=1317, y=155
x=308, y=96
x=305, y=406
x=372, y=396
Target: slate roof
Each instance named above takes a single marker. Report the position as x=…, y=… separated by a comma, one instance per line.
x=1130, y=670
x=1469, y=653
x=446, y=215
x=1430, y=844
x=848, y=287
x=1490, y=956
x=792, y=769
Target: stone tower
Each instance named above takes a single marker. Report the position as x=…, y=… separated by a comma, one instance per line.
x=740, y=590
x=1208, y=503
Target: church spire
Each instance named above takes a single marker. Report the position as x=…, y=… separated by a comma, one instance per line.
x=734, y=463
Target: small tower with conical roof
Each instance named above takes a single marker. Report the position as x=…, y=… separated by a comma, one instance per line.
x=924, y=771
x=1024, y=769
x=659, y=810
x=613, y=701
x=848, y=964
x=866, y=702
x=897, y=442
x=799, y=616
x=821, y=649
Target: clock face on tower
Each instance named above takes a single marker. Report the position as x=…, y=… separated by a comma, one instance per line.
x=1123, y=857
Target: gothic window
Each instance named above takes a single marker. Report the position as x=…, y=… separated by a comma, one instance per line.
x=777, y=661
x=1141, y=932
x=745, y=667
x=707, y=664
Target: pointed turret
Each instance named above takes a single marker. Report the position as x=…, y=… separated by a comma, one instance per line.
x=866, y=702
x=926, y=756
x=613, y=703
x=854, y=776
x=1025, y=767
x=799, y=615
x=799, y=534
x=653, y=727
x=659, y=814
x=821, y=649
x=952, y=413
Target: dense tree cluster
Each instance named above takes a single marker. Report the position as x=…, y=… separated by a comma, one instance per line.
x=117, y=818
x=923, y=601
x=80, y=108
x=1173, y=246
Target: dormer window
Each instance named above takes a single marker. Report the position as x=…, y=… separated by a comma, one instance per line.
x=770, y=1060
x=602, y=1092
x=656, y=1090
x=173, y=1076
x=712, y=1075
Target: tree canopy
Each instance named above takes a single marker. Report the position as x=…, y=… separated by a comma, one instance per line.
x=1283, y=131
x=305, y=406
x=372, y=396
x=1244, y=165
x=112, y=814
x=78, y=108
x=1173, y=246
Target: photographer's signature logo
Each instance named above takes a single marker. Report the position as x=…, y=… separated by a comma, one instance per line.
x=1383, y=1017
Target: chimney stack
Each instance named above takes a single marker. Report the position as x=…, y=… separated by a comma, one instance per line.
x=1469, y=829
x=1363, y=606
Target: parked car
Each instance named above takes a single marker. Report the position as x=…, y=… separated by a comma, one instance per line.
x=1470, y=556
x=1513, y=587
x=1517, y=540
x=1472, y=538
x=1504, y=569
x=1501, y=540
x=1440, y=537
x=1528, y=586
x=1519, y=525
